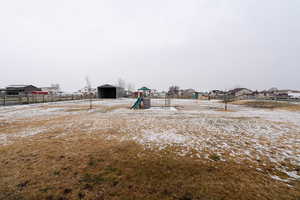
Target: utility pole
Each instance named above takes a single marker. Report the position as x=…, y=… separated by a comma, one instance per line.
x=226, y=100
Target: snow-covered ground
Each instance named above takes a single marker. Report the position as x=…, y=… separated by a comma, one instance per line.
x=264, y=137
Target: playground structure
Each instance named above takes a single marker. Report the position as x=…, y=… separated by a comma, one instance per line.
x=144, y=100
x=142, y=103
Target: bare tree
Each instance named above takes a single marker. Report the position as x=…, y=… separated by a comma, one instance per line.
x=173, y=90
x=56, y=86
x=121, y=83
x=89, y=90
x=130, y=87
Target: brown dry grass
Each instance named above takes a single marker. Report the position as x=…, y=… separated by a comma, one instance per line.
x=78, y=108
x=91, y=168
x=269, y=104
x=82, y=165
x=35, y=122
x=223, y=110
x=15, y=126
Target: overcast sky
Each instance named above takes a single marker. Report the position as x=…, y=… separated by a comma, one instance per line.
x=201, y=44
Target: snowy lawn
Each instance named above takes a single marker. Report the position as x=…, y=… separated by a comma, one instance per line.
x=267, y=140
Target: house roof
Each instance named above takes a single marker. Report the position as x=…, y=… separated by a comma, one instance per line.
x=218, y=91
x=17, y=86
x=189, y=91
x=144, y=89
x=295, y=95
x=237, y=90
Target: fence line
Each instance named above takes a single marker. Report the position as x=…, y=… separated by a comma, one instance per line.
x=261, y=99
x=7, y=100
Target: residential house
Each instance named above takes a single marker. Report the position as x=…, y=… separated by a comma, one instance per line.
x=240, y=93
x=216, y=94
x=21, y=89
x=54, y=89
x=188, y=93
x=294, y=95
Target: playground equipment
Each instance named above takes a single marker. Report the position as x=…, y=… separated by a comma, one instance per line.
x=144, y=100
x=142, y=103
x=137, y=104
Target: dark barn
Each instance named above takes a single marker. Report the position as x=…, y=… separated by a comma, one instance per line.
x=20, y=89
x=110, y=92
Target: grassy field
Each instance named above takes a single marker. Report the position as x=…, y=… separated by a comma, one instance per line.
x=269, y=104
x=66, y=151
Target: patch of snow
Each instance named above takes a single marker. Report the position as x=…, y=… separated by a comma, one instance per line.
x=271, y=136
x=7, y=138
x=293, y=174
x=162, y=109
x=278, y=178
x=165, y=137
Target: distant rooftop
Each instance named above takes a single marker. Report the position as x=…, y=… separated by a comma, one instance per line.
x=18, y=85
x=144, y=89
x=237, y=90
x=107, y=86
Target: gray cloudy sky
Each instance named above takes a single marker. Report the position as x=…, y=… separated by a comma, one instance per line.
x=202, y=44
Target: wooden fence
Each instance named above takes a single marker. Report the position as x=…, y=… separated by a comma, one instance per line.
x=7, y=100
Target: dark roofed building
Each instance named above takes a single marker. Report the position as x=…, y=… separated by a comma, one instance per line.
x=20, y=89
x=110, y=92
